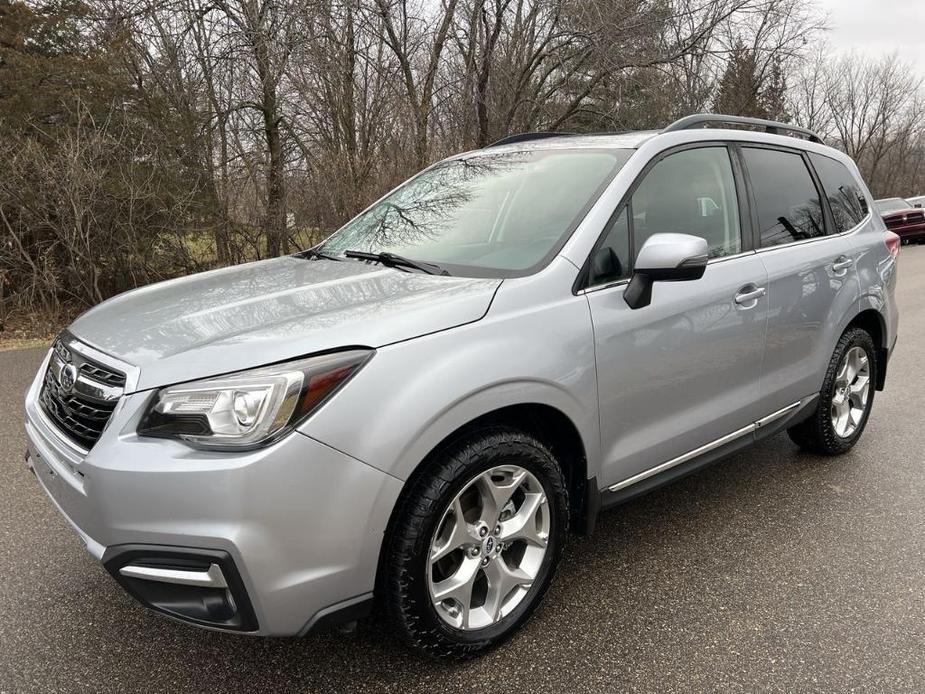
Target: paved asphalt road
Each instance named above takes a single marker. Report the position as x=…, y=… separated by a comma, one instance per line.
x=771, y=571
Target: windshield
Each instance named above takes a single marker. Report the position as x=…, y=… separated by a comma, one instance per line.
x=891, y=205
x=492, y=214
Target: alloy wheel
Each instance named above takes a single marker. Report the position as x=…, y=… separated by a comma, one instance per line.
x=852, y=388
x=488, y=547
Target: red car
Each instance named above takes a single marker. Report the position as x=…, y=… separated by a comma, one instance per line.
x=902, y=218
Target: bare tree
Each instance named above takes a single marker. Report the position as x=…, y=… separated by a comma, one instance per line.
x=871, y=109
x=419, y=53
x=181, y=134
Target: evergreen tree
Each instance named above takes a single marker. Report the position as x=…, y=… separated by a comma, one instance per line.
x=740, y=90
x=47, y=63
x=774, y=93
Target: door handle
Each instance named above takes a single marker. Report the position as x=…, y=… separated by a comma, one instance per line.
x=842, y=263
x=749, y=296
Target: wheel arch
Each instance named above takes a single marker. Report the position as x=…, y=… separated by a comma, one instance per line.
x=547, y=423
x=557, y=431
x=874, y=324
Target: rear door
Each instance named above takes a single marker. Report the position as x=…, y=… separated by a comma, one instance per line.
x=812, y=282
x=683, y=371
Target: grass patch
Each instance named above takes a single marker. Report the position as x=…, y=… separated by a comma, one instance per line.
x=24, y=329
x=8, y=344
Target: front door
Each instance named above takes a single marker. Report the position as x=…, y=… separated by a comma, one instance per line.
x=683, y=371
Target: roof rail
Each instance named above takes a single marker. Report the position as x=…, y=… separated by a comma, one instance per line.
x=525, y=137
x=701, y=120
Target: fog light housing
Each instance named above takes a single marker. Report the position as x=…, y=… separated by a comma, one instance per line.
x=193, y=585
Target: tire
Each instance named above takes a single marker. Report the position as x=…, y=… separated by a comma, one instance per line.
x=424, y=525
x=819, y=433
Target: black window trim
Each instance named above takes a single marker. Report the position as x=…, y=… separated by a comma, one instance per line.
x=747, y=225
x=828, y=220
x=827, y=225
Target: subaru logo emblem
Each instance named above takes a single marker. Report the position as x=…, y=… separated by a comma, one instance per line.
x=489, y=544
x=67, y=377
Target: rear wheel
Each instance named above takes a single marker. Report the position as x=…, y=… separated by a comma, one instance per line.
x=475, y=543
x=845, y=400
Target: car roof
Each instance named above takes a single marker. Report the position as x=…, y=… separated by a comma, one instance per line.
x=627, y=140
x=636, y=139
x=702, y=127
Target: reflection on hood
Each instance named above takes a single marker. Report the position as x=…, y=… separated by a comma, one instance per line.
x=260, y=313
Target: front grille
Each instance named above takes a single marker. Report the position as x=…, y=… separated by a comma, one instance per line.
x=103, y=374
x=914, y=217
x=79, y=395
x=894, y=222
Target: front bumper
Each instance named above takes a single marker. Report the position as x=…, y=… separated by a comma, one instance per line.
x=299, y=523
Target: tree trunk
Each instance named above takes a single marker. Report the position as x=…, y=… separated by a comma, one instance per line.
x=277, y=235
x=275, y=221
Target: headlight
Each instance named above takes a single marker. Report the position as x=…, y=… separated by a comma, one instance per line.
x=249, y=408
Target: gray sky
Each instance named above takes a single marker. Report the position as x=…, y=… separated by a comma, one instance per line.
x=878, y=27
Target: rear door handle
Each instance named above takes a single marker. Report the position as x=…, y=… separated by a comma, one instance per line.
x=842, y=263
x=749, y=296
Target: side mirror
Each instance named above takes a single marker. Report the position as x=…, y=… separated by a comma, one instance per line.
x=665, y=258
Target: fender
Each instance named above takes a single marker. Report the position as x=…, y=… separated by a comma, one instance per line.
x=450, y=378
x=492, y=398
x=876, y=272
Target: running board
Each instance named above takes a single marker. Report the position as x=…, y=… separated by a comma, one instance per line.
x=706, y=448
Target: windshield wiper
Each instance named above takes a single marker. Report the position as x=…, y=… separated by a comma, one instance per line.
x=313, y=253
x=392, y=260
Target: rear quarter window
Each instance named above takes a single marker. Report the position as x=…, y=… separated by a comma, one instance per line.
x=847, y=202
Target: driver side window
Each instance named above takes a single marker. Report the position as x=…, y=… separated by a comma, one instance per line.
x=690, y=192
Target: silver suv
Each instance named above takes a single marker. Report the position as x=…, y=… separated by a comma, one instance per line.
x=416, y=413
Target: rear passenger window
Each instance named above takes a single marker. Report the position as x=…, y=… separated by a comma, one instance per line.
x=789, y=208
x=690, y=192
x=847, y=202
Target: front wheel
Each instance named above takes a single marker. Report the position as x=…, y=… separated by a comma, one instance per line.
x=845, y=400
x=475, y=543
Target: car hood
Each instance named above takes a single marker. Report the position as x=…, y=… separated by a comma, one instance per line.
x=269, y=311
